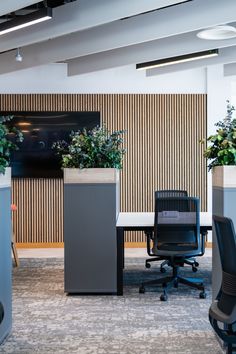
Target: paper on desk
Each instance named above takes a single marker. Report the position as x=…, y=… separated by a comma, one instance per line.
x=176, y=217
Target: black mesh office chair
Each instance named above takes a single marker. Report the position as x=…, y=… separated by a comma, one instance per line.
x=167, y=193
x=176, y=238
x=223, y=309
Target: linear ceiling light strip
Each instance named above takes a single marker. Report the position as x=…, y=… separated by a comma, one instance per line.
x=177, y=60
x=25, y=21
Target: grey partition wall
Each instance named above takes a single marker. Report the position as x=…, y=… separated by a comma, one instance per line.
x=223, y=204
x=5, y=256
x=91, y=205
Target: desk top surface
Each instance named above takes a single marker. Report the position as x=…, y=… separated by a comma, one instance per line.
x=147, y=220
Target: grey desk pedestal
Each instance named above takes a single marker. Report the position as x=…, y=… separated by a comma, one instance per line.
x=223, y=204
x=5, y=261
x=90, y=211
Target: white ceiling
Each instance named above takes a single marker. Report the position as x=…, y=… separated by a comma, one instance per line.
x=12, y=5
x=92, y=35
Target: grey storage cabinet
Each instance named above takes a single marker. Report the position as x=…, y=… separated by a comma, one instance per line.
x=223, y=204
x=91, y=206
x=5, y=256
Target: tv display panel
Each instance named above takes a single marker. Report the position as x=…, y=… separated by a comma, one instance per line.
x=35, y=157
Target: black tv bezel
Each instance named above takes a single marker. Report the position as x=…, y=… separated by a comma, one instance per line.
x=44, y=173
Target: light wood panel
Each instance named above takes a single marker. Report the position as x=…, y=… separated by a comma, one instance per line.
x=163, y=152
x=90, y=175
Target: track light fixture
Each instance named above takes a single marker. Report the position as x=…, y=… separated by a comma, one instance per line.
x=177, y=60
x=18, y=57
x=26, y=20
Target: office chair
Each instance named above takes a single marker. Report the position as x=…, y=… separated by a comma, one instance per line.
x=167, y=193
x=223, y=309
x=177, y=237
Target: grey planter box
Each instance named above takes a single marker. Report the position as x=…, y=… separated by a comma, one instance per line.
x=5, y=255
x=91, y=206
x=223, y=204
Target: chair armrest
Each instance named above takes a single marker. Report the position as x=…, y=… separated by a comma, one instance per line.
x=203, y=235
x=149, y=235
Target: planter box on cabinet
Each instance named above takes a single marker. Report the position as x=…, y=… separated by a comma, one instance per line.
x=223, y=204
x=5, y=255
x=91, y=206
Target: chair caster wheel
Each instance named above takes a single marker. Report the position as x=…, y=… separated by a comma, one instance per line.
x=196, y=264
x=163, y=297
x=148, y=265
x=163, y=270
x=202, y=295
x=194, y=269
x=141, y=290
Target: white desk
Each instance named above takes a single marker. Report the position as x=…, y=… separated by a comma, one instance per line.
x=143, y=222
x=147, y=220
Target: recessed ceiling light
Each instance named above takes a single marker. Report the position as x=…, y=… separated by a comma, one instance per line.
x=24, y=123
x=218, y=33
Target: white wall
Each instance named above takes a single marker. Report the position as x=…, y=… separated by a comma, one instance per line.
x=53, y=79
x=219, y=90
x=233, y=90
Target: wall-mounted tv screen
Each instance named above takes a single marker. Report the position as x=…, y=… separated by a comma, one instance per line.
x=35, y=157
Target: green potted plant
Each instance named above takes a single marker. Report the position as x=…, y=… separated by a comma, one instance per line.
x=7, y=145
x=95, y=148
x=222, y=148
x=91, y=155
x=91, y=162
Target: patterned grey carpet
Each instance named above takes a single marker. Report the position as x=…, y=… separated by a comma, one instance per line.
x=48, y=321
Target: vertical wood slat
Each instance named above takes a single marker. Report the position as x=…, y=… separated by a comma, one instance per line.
x=163, y=152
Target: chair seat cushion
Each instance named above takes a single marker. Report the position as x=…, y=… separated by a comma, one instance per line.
x=177, y=246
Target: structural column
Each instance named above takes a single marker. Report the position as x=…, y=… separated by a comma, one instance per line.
x=5, y=256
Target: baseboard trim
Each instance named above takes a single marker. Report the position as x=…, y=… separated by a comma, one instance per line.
x=61, y=245
x=40, y=245
x=135, y=245
x=208, y=244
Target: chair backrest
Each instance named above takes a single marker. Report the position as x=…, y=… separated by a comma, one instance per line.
x=170, y=193
x=177, y=225
x=225, y=235
x=226, y=240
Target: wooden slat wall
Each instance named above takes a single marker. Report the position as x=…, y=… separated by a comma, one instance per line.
x=163, y=152
x=39, y=215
